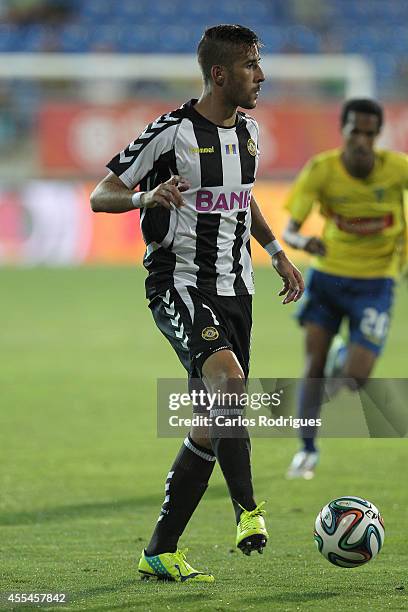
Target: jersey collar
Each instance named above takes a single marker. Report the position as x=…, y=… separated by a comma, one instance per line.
x=199, y=119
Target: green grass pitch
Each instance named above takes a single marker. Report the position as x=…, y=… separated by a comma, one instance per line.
x=82, y=471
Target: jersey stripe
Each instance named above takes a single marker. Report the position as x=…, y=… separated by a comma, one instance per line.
x=210, y=162
x=231, y=166
x=154, y=223
x=247, y=272
x=225, y=278
x=206, y=250
x=239, y=285
x=160, y=265
x=247, y=160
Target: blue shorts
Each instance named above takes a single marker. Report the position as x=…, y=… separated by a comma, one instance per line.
x=365, y=302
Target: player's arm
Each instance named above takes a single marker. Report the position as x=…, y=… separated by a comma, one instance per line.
x=111, y=195
x=304, y=193
x=293, y=285
x=310, y=244
x=130, y=167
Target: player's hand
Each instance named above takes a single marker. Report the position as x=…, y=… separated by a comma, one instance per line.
x=166, y=194
x=315, y=246
x=293, y=284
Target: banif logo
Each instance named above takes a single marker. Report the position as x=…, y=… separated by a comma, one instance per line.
x=207, y=201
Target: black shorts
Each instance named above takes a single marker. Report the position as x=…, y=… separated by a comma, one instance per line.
x=198, y=324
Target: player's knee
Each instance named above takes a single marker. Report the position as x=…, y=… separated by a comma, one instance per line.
x=356, y=375
x=227, y=380
x=224, y=374
x=204, y=442
x=354, y=383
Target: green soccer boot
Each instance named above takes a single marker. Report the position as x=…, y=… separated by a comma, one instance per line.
x=251, y=530
x=171, y=566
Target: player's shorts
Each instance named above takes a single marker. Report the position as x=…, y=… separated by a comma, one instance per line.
x=198, y=324
x=365, y=302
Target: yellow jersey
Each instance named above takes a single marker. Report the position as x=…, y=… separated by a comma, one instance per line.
x=364, y=231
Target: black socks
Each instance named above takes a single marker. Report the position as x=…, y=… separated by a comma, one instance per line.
x=232, y=447
x=186, y=483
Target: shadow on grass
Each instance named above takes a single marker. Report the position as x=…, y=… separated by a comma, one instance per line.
x=99, y=510
x=140, y=602
x=101, y=590
x=177, y=597
x=293, y=597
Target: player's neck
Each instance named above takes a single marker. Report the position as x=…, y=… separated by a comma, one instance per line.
x=215, y=110
x=357, y=170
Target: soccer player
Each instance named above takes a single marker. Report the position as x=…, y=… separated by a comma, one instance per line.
x=196, y=168
x=360, y=193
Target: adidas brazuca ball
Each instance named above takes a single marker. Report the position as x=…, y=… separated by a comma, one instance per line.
x=349, y=531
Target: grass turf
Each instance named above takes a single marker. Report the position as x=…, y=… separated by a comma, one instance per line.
x=82, y=471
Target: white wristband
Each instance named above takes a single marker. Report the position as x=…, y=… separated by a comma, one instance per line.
x=273, y=247
x=298, y=241
x=136, y=199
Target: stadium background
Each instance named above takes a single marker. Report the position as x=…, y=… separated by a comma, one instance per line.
x=82, y=470
x=57, y=132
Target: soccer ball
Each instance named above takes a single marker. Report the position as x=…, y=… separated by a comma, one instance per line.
x=349, y=531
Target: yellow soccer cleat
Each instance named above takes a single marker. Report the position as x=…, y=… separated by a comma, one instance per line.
x=251, y=530
x=171, y=566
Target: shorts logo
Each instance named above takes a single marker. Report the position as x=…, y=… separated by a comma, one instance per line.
x=209, y=333
x=251, y=147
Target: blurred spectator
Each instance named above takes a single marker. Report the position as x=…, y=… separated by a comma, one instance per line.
x=8, y=123
x=23, y=12
x=312, y=13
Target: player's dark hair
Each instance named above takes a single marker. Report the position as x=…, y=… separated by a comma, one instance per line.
x=218, y=46
x=362, y=105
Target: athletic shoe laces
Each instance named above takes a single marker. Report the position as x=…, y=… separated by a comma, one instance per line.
x=249, y=515
x=181, y=558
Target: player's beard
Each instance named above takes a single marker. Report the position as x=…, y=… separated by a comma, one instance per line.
x=246, y=101
x=242, y=94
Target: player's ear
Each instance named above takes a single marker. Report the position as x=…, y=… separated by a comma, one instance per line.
x=218, y=75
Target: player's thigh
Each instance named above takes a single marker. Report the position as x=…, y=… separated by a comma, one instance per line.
x=370, y=316
x=189, y=322
x=228, y=368
x=210, y=333
x=190, y=325
x=173, y=319
x=237, y=312
x=359, y=363
x=318, y=307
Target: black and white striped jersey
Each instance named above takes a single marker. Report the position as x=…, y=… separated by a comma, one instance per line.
x=205, y=244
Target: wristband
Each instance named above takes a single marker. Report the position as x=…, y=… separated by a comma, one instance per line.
x=273, y=247
x=298, y=242
x=136, y=199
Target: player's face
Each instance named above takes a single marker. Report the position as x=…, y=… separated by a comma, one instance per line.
x=244, y=79
x=359, y=134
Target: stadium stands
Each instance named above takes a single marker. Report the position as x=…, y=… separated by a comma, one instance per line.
x=374, y=29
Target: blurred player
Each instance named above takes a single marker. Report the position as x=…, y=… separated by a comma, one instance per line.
x=196, y=167
x=360, y=192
